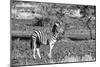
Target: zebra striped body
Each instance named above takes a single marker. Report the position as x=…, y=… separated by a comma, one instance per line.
x=41, y=38
x=40, y=35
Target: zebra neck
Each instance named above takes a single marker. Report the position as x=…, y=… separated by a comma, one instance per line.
x=56, y=35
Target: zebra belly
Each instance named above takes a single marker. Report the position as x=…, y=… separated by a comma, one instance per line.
x=44, y=40
x=38, y=43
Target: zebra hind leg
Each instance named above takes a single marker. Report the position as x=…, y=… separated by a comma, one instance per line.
x=34, y=48
x=38, y=53
x=34, y=53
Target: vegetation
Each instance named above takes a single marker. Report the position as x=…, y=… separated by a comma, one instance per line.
x=76, y=45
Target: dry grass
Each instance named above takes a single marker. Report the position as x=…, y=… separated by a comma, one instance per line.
x=70, y=51
x=64, y=50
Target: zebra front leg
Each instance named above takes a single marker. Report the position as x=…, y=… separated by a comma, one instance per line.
x=50, y=53
x=34, y=49
x=34, y=53
x=38, y=52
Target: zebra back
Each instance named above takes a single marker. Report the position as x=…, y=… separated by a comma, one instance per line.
x=43, y=37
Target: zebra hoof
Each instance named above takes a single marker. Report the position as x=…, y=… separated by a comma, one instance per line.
x=41, y=58
x=49, y=56
x=34, y=57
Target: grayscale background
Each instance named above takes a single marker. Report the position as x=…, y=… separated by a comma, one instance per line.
x=79, y=40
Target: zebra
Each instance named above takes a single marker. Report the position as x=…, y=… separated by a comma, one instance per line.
x=39, y=38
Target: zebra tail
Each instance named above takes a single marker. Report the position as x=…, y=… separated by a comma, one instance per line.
x=31, y=43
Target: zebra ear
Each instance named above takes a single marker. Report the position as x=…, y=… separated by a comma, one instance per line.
x=57, y=24
x=60, y=22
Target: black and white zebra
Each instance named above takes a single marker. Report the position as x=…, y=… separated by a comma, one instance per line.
x=39, y=38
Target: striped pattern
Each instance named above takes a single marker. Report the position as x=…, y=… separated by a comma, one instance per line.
x=39, y=37
x=43, y=37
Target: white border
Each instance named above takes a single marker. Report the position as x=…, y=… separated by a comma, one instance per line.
x=5, y=33
x=84, y=2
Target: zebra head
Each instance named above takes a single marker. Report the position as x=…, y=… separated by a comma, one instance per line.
x=59, y=27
